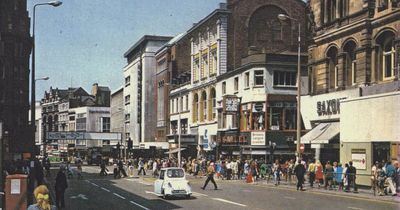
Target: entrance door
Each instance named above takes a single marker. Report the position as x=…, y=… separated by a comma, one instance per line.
x=381, y=151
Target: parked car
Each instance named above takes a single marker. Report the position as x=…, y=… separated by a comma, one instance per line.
x=172, y=182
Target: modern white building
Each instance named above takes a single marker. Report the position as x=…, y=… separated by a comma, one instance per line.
x=140, y=92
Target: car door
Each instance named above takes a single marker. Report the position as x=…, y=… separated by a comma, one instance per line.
x=159, y=182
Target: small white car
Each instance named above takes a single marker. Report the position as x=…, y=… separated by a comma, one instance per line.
x=172, y=182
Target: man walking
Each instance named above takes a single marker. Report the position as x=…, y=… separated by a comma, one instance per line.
x=210, y=176
x=299, y=171
x=61, y=186
x=141, y=167
x=351, y=177
x=311, y=173
x=390, y=174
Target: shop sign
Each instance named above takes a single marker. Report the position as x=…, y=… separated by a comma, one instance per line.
x=359, y=158
x=329, y=107
x=258, y=138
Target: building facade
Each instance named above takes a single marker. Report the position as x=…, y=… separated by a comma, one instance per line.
x=117, y=112
x=15, y=48
x=140, y=91
x=256, y=98
x=353, y=68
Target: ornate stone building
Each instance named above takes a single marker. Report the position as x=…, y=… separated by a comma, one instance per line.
x=353, y=81
x=15, y=48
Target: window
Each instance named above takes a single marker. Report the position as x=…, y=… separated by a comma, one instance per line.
x=354, y=72
x=127, y=117
x=388, y=62
x=181, y=104
x=203, y=111
x=187, y=103
x=285, y=78
x=81, y=124
x=310, y=80
x=174, y=127
x=195, y=108
x=282, y=115
x=175, y=173
x=106, y=125
x=204, y=67
x=127, y=81
x=196, y=66
x=258, y=116
x=332, y=64
x=162, y=173
x=213, y=63
x=245, y=117
x=213, y=105
x=172, y=106
x=336, y=76
x=184, y=126
x=258, y=77
x=127, y=99
x=236, y=84
x=223, y=88
x=247, y=79
x=383, y=5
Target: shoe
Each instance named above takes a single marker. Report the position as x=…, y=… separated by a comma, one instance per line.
x=215, y=188
x=394, y=194
x=202, y=188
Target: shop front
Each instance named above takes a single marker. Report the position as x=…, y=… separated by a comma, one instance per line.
x=188, y=146
x=229, y=144
x=322, y=116
x=369, y=132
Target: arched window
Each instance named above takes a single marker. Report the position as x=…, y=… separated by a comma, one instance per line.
x=333, y=67
x=212, y=113
x=350, y=64
x=195, y=108
x=55, y=122
x=203, y=106
x=386, y=56
x=50, y=123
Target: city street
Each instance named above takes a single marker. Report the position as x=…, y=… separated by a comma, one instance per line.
x=95, y=192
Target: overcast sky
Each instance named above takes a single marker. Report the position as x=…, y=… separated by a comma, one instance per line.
x=83, y=41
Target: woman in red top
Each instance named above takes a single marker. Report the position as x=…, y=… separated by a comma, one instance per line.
x=319, y=173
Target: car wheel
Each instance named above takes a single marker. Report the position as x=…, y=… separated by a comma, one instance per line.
x=188, y=196
x=164, y=195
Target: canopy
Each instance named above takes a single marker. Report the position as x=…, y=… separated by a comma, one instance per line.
x=322, y=133
x=174, y=151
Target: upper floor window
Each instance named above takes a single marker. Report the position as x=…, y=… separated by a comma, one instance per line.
x=388, y=61
x=223, y=88
x=106, y=128
x=213, y=62
x=285, y=78
x=383, y=5
x=127, y=99
x=246, y=79
x=127, y=81
x=236, y=84
x=332, y=67
x=386, y=55
x=258, y=78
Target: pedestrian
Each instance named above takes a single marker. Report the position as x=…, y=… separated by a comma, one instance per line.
x=229, y=170
x=103, y=168
x=328, y=175
x=338, y=176
x=39, y=172
x=79, y=167
x=121, y=168
x=319, y=175
x=344, y=176
x=311, y=173
x=351, y=177
x=42, y=197
x=263, y=170
x=60, y=187
x=380, y=178
x=277, y=172
x=299, y=171
x=141, y=167
x=390, y=176
x=210, y=176
x=115, y=171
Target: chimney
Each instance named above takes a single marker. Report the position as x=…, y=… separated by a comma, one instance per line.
x=95, y=88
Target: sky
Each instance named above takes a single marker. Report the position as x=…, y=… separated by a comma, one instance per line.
x=82, y=42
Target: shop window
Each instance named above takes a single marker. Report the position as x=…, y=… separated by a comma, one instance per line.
x=258, y=116
x=275, y=118
x=258, y=77
x=245, y=118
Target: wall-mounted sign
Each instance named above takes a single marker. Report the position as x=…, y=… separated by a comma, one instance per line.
x=329, y=107
x=359, y=158
x=258, y=138
x=231, y=104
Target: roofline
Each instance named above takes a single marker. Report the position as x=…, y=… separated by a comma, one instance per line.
x=208, y=17
x=117, y=90
x=144, y=39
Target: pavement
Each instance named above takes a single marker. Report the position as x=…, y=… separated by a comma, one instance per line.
x=95, y=192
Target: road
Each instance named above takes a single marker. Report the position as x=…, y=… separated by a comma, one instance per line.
x=97, y=193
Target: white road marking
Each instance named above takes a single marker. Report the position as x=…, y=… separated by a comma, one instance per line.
x=105, y=189
x=292, y=198
x=149, y=192
x=80, y=196
x=199, y=194
x=355, y=208
x=144, y=183
x=94, y=184
x=87, y=181
x=119, y=196
x=139, y=205
x=231, y=202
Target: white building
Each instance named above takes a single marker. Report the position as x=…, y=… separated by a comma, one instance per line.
x=139, y=91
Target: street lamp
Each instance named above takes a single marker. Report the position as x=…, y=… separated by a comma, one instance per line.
x=42, y=78
x=33, y=79
x=284, y=17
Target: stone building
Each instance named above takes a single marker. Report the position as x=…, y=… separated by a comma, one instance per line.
x=15, y=48
x=353, y=81
x=140, y=91
x=256, y=98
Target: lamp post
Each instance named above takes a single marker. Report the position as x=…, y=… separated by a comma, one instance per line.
x=284, y=17
x=34, y=120
x=33, y=79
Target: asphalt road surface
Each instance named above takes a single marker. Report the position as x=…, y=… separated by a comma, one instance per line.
x=98, y=193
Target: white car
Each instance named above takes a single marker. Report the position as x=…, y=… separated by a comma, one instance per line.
x=172, y=182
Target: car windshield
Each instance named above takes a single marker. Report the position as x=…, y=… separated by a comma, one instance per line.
x=175, y=173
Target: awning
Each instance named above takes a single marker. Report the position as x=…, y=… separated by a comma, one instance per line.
x=321, y=134
x=174, y=151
